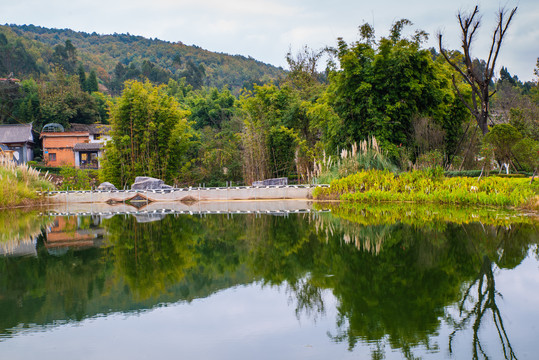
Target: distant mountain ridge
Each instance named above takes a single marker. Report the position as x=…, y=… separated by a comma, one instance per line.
x=112, y=56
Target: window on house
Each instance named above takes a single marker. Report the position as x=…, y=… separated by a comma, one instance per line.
x=97, y=136
x=52, y=156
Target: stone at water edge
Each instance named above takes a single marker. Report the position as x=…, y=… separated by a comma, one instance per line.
x=149, y=183
x=106, y=186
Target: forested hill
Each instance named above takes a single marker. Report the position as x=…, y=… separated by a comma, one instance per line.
x=33, y=50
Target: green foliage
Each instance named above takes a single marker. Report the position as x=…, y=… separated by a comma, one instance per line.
x=210, y=107
x=77, y=179
x=282, y=145
x=62, y=101
x=426, y=216
x=218, y=157
x=526, y=120
x=150, y=136
x=16, y=57
x=464, y=173
x=502, y=137
x=378, y=89
x=526, y=152
x=91, y=83
x=431, y=159
x=429, y=186
x=65, y=56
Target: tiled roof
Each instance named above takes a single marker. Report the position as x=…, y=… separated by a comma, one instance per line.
x=88, y=146
x=16, y=133
x=92, y=129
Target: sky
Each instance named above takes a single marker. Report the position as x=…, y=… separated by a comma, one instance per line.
x=267, y=29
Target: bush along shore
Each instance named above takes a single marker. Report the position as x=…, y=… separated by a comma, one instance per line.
x=19, y=185
x=431, y=186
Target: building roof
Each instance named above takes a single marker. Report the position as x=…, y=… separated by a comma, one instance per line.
x=88, y=146
x=92, y=129
x=16, y=133
x=83, y=134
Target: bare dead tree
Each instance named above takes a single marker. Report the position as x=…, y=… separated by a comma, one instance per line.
x=478, y=79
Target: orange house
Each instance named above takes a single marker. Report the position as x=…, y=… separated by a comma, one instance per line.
x=80, y=147
x=58, y=146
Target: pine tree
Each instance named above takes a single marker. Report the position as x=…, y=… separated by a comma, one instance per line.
x=91, y=83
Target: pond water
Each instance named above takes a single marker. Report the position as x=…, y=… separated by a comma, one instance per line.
x=384, y=282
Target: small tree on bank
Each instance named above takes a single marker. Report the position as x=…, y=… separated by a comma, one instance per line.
x=150, y=136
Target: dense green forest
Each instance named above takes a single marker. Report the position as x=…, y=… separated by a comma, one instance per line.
x=191, y=116
x=119, y=57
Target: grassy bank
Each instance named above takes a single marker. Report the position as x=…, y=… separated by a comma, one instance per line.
x=18, y=185
x=430, y=187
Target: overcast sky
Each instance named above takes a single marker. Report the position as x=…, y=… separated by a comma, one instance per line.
x=266, y=29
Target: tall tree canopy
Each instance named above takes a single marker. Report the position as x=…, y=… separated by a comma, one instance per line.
x=150, y=136
x=379, y=87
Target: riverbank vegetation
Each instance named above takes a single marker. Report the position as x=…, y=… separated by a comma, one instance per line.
x=20, y=185
x=430, y=186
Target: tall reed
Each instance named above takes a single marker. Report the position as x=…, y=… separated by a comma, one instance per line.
x=366, y=155
x=19, y=184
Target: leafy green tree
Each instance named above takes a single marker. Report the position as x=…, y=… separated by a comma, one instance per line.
x=103, y=103
x=211, y=107
x=282, y=145
x=303, y=73
x=62, y=101
x=150, y=136
x=28, y=107
x=503, y=137
x=194, y=74
x=65, y=56
x=178, y=89
x=9, y=95
x=526, y=151
x=82, y=77
x=91, y=83
x=379, y=87
x=218, y=156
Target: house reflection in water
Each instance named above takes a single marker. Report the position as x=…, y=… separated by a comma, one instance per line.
x=74, y=232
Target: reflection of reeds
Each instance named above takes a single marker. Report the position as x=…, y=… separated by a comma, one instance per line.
x=16, y=226
x=364, y=238
x=10, y=246
x=19, y=228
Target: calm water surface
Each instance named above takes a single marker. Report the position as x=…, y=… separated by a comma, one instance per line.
x=380, y=283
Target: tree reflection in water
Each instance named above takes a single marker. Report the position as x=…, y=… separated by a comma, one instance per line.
x=393, y=271
x=475, y=310
x=402, y=280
